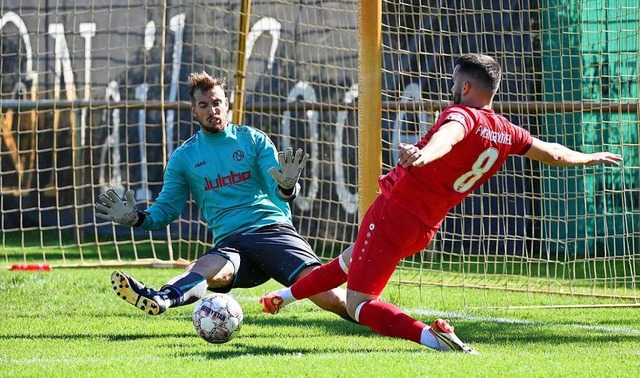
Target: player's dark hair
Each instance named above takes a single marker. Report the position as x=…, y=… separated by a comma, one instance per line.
x=483, y=68
x=204, y=82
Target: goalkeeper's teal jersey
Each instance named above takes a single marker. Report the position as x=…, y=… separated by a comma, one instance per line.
x=227, y=176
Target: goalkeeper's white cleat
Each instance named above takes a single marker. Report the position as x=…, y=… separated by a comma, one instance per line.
x=136, y=293
x=449, y=342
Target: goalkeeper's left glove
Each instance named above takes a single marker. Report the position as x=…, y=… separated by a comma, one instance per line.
x=111, y=207
x=289, y=173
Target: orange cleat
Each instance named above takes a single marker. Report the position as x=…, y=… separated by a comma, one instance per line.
x=271, y=303
x=449, y=342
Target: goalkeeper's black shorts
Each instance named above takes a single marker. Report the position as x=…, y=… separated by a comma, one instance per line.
x=276, y=251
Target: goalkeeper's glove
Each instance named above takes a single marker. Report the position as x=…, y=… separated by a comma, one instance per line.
x=111, y=207
x=289, y=173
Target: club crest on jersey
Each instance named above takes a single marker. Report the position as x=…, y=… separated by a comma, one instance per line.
x=221, y=181
x=238, y=155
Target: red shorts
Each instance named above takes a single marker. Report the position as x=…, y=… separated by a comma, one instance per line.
x=387, y=234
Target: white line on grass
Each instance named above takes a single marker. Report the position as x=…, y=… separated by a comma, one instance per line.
x=491, y=319
x=454, y=315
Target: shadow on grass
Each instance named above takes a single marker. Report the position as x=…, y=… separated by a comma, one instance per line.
x=264, y=334
x=243, y=349
x=523, y=336
x=336, y=325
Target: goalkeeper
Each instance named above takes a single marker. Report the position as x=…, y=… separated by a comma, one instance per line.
x=242, y=187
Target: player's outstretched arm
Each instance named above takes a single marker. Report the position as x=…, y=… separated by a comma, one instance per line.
x=560, y=156
x=291, y=167
x=111, y=207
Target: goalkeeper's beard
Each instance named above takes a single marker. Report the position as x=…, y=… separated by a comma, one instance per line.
x=212, y=127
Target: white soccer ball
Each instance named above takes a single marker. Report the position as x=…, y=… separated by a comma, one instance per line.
x=217, y=318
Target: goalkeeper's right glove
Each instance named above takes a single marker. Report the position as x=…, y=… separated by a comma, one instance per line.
x=111, y=207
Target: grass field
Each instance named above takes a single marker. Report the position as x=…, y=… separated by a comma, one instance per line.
x=67, y=322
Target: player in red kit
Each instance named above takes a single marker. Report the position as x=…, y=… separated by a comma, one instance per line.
x=467, y=145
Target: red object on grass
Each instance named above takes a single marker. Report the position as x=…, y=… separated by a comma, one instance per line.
x=32, y=267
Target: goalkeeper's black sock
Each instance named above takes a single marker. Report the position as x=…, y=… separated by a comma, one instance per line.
x=184, y=289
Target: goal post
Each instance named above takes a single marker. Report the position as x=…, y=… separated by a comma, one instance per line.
x=370, y=104
x=93, y=96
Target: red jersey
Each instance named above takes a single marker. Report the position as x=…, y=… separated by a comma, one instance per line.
x=432, y=190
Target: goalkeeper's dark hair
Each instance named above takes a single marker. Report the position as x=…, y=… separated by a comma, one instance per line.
x=203, y=81
x=483, y=68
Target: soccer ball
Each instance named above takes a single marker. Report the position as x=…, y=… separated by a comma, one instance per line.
x=217, y=318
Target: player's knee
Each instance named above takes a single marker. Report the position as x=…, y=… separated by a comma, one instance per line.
x=218, y=271
x=353, y=308
x=222, y=279
x=331, y=301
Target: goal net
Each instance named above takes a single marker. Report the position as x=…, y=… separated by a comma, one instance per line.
x=93, y=96
x=570, y=76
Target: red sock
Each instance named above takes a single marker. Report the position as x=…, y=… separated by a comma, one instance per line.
x=321, y=279
x=389, y=320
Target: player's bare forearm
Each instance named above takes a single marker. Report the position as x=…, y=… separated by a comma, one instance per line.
x=558, y=155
